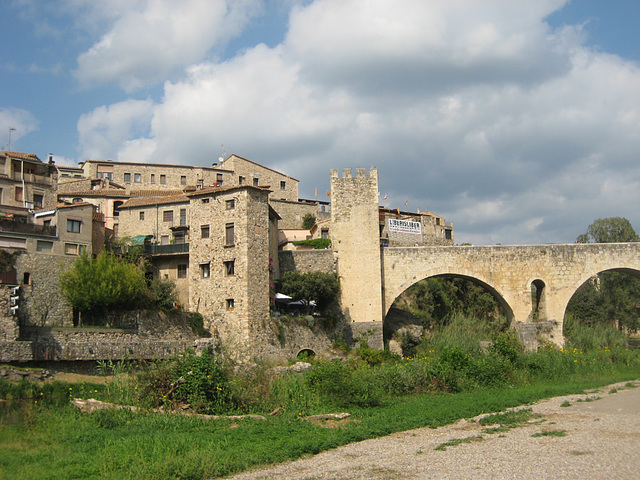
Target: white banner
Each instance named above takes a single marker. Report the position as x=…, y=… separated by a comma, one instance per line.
x=405, y=226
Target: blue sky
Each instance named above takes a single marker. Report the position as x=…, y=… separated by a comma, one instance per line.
x=516, y=120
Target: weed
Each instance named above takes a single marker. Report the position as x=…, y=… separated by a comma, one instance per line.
x=458, y=441
x=551, y=433
x=566, y=403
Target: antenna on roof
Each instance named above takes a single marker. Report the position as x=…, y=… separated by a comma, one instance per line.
x=11, y=129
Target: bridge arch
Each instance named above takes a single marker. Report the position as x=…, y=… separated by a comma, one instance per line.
x=504, y=306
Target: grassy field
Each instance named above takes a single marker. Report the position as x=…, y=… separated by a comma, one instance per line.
x=43, y=436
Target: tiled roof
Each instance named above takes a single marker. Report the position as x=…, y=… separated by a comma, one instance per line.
x=144, y=201
x=210, y=190
x=110, y=192
x=24, y=156
x=155, y=193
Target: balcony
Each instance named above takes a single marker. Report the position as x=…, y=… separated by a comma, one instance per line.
x=32, y=178
x=7, y=225
x=175, y=248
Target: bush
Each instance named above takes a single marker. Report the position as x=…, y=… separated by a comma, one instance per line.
x=336, y=384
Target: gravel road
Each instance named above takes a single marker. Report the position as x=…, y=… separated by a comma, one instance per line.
x=601, y=441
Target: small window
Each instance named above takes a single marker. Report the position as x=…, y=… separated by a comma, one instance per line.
x=38, y=200
x=204, y=231
x=324, y=233
x=219, y=180
x=153, y=178
x=229, y=268
x=231, y=204
x=183, y=217
x=183, y=180
x=256, y=182
x=178, y=238
x=163, y=179
x=73, y=226
x=182, y=270
x=44, y=246
x=26, y=278
x=240, y=180
x=141, y=215
x=205, y=270
x=205, y=200
x=73, y=249
x=137, y=177
x=18, y=194
x=77, y=200
x=164, y=239
x=167, y=216
x=127, y=178
x=229, y=239
x=283, y=185
x=230, y=304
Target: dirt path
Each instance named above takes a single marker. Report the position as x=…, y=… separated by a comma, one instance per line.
x=601, y=441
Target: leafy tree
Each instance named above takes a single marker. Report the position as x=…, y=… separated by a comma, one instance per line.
x=95, y=285
x=610, y=297
x=308, y=221
x=319, y=287
x=609, y=230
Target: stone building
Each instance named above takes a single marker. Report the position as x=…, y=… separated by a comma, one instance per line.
x=26, y=183
x=404, y=229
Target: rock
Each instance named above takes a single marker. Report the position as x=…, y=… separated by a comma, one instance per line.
x=395, y=347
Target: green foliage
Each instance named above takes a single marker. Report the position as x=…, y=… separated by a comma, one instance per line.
x=319, y=287
x=436, y=300
x=161, y=294
x=340, y=385
x=592, y=336
x=8, y=260
x=308, y=221
x=196, y=321
x=609, y=230
x=316, y=243
x=102, y=283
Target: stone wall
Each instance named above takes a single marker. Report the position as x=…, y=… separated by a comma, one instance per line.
x=305, y=261
x=282, y=186
x=292, y=213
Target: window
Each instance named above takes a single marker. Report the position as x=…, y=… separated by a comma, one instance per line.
x=73, y=249
x=77, y=200
x=106, y=175
x=182, y=270
x=231, y=204
x=167, y=216
x=204, y=231
x=229, y=239
x=127, y=178
x=240, y=180
x=229, y=268
x=230, y=304
x=205, y=270
x=18, y=194
x=205, y=200
x=183, y=217
x=178, y=238
x=324, y=233
x=183, y=180
x=256, y=182
x=0, y=196
x=73, y=226
x=26, y=278
x=137, y=177
x=163, y=179
x=283, y=185
x=44, y=246
x=141, y=216
x=38, y=200
x=218, y=180
x=116, y=205
x=164, y=239
x=153, y=178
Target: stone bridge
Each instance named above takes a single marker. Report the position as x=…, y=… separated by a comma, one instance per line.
x=532, y=283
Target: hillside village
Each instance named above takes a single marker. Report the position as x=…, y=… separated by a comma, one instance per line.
x=222, y=234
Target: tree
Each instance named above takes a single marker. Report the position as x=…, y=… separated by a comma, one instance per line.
x=95, y=285
x=308, y=221
x=319, y=287
x=609, y=230
x=610, y=297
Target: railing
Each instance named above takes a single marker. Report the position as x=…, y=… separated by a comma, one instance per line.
x=18, y=227
x=32, y=178
x=166, y=249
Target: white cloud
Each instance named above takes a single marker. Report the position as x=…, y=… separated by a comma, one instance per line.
x=20, y=122
x=149, y=39
x=473, y=110
x=105, y=129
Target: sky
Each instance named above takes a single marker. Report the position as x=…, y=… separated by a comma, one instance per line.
x=517, y=120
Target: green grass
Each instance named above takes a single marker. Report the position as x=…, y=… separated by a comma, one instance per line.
x=49, y=440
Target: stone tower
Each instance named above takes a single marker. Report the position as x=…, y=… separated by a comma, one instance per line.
x=355, y=236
